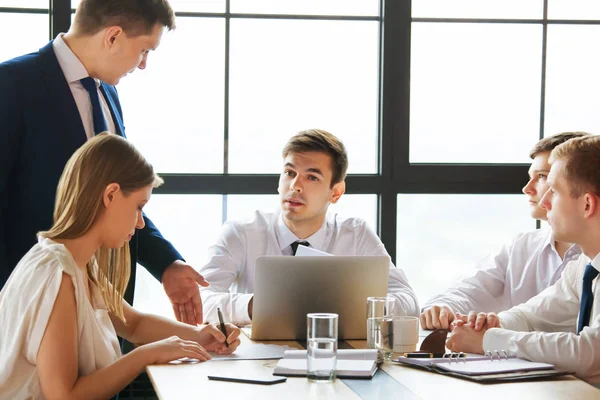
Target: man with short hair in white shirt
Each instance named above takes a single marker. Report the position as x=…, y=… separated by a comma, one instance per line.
x=561, y=325
x=530, y=263
x=314, y=169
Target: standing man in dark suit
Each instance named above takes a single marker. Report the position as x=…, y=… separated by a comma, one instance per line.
x=54, y=100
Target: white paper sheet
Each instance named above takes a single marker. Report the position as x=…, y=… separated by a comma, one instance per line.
x=304, y=251
x=247, y=351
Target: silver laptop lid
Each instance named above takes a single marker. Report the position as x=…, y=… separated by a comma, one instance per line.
x=287, y=288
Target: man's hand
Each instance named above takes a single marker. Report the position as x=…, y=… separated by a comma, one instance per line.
x=437, y=317
x=466, y=339
x=478, y=321
x=180, y=282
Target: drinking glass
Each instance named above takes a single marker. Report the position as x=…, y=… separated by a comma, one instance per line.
x=377, y=307
x=321, y=338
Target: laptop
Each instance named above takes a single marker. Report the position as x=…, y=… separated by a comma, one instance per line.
x=287, y=288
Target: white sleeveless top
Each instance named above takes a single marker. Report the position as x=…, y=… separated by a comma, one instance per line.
x=26, y=302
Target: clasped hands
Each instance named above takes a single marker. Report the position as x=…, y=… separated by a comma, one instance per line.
x=467, y=330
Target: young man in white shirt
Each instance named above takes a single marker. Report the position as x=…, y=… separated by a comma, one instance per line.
x=530, y=263
x=314, y=169
x=561, y=325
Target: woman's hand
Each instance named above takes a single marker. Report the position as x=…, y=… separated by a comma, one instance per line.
x=173, y=348
x=212, y=339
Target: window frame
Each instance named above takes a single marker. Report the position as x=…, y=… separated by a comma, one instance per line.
x=396, y=174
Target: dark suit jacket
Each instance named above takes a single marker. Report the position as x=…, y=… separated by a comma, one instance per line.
x=40, y=128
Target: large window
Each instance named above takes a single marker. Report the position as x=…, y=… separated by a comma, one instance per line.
x=475, y=92
x=442, y=237
x=16, y=14
x=487, y=80
x=438, y=107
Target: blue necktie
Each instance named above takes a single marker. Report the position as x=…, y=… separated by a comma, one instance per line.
x=587, y=297
x=99, y=122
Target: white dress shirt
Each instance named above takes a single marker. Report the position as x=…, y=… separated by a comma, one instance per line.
x=230, y=270
x=521, y=270
x=75, y=71
x=545, y=328
x=26, y=303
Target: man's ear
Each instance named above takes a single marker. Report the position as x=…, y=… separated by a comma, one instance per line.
x=109, y=194
x=591, y=205
x=111, y=34
x=338, y=190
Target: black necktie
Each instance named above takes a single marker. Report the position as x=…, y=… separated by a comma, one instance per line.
x=98, y=116
x=587, y=297
x=297, y=243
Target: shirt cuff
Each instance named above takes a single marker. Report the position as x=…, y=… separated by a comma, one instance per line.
x=496, y=339
x=241, y=309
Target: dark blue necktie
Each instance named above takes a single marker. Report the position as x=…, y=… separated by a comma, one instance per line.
x=587, y=297
x=99, y=122
x=297, y=243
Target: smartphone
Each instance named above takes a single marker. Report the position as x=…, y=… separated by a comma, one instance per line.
x=257, y=381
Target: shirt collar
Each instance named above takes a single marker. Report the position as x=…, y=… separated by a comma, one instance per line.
x=286, y=237
x=596, y=262
x=549, y=243
x=68, y=61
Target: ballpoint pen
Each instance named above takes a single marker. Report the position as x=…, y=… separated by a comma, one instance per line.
x=222, y=326
x=423, y=355
x=434, y=355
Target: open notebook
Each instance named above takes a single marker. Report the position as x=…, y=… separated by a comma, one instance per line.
x=360, y=364
x=496, y=367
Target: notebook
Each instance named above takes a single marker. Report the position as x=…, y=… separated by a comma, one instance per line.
x=351, y=363
x=492, y=367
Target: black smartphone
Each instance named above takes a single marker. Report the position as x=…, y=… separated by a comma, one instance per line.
x=256, y=381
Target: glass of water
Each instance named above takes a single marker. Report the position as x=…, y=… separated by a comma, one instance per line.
x=321, y=339
x=377, y=307
x=384, y=337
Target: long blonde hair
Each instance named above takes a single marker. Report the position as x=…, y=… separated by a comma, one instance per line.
x=103, y=160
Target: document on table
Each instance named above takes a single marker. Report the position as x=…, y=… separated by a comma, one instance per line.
x=246, y=351
x=350, y=363
x=254, y=351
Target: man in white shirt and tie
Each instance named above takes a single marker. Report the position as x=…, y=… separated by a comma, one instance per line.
x=561, y=325
x=527, y=265
x=314, y=169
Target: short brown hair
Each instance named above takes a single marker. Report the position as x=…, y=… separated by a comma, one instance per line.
x=582, y=164
x=548, y=144
x=136, y=17
x=318, y=140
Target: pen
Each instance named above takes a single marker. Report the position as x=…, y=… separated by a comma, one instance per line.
x=222, y=325
x=423, y=355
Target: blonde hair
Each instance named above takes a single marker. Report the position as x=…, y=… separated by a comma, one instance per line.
x=582, y=164
x=103, y=160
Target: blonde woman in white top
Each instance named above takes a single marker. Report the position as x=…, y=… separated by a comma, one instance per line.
x=62, y=308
